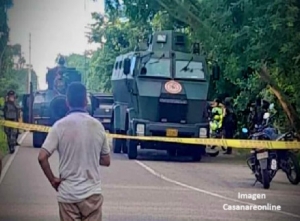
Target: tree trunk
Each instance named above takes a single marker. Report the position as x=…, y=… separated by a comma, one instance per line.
x=283, y=100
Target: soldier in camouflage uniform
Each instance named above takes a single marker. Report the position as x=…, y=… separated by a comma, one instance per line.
x=12, y=113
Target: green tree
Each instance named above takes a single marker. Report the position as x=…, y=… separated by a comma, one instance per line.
x=115, y=37
x=255, y=42
x=5, y=61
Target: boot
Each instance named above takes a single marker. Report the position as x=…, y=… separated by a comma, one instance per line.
x=11, y=149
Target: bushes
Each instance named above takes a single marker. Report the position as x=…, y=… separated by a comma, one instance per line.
x=3, y=142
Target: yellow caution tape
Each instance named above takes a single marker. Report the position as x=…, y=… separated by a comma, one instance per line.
x=241, y=144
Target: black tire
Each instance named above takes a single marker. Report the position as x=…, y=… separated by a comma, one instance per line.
x=265, y=179
x=117, y=145
x=124, y=147
x=132, y=150
x=131, y=144
x=38, y=139
x=172, y=152
x=293, y=158
x=196, y=154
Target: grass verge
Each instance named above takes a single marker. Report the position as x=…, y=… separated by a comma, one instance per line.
x=3, y=143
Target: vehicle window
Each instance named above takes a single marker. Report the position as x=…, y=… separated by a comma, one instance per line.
x=159, y=68
x=132, y=65
x=195, y=70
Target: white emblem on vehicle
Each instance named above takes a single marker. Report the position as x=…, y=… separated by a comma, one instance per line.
x=173, y=87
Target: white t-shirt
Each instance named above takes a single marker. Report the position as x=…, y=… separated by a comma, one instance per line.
x=80, y=140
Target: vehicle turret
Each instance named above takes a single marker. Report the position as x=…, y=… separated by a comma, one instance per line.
x=168, y=41
x=50, y=105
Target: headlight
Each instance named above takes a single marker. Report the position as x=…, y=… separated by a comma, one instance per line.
x=140, y=129
x=203, y=132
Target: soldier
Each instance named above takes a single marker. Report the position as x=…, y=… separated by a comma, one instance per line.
x=11, y=113
x=230, y=122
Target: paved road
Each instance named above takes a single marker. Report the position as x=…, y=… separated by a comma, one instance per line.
x=150, y=189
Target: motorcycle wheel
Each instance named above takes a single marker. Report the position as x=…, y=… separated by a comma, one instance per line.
x=265, y=179
x=293, y=158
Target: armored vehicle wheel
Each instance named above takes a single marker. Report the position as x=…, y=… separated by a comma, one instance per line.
x=131, y=147
x=124, y=147
x=117, y=145
x=196, y=153
x=132, y=150
x=172, y=152
x=38, y=139
x=116, y=142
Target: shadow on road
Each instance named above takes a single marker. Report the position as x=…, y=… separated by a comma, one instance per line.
x=156, y=155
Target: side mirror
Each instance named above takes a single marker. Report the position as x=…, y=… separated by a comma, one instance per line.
x=266, y=115
x=216, y=72
x=126, y=66
x=143, y=71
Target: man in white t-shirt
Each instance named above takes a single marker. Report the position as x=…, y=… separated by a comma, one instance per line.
x=82, y=146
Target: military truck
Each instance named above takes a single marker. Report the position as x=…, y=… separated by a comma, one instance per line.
x=48, y=106
x=101, y=108
x=161, y=91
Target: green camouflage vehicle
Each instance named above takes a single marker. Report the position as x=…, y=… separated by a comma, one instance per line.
x=45, y=107
x=161, y=91
x=49, y=105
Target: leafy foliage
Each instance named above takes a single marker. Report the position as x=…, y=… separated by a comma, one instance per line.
x=81, y=63
x=255, y=42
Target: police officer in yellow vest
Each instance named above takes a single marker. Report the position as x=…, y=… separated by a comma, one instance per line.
x=217, y=115
x=11, y=113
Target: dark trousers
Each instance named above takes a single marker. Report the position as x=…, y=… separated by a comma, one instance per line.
x=229, y=134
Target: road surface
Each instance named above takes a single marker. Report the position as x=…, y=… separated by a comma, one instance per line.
x=152, y=188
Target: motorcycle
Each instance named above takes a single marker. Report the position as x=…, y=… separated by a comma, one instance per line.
x=265, y=163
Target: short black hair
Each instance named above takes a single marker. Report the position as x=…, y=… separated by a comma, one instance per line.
x=76, y=95
x=218, y=100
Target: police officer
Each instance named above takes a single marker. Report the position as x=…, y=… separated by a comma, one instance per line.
x=230, y=122
x=11, y=113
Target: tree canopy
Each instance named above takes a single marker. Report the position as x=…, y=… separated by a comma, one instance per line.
x=255, y=42
x=13, y=73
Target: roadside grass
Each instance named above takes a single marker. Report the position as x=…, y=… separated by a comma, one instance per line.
x=3, y=143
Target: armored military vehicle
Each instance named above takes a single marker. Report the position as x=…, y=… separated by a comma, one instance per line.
x=101, y=108
x=49, y=105
x=161, y=91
